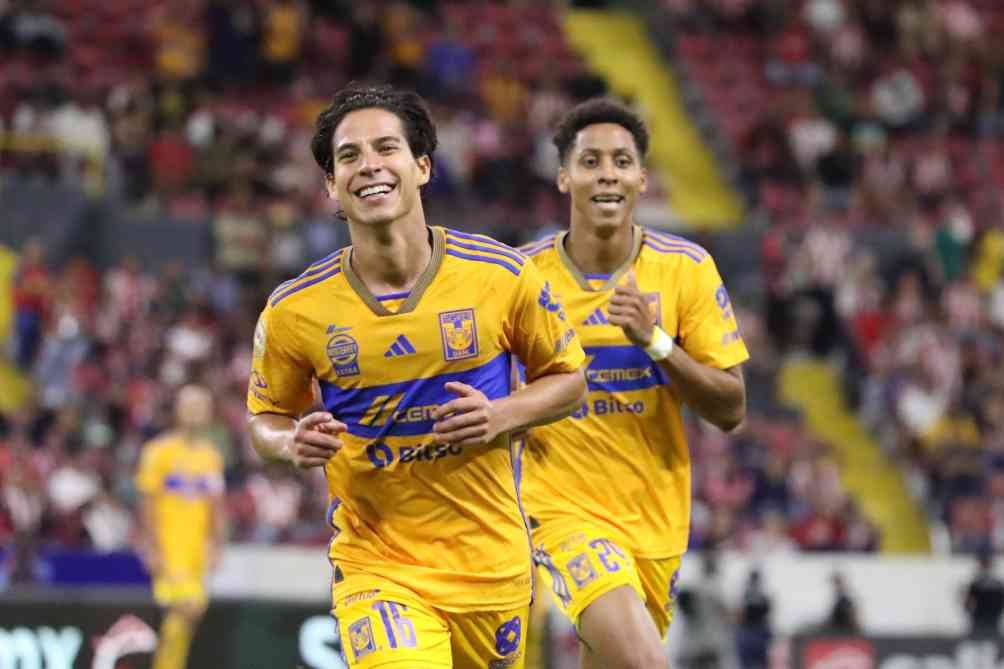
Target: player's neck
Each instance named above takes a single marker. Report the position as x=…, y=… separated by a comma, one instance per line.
x=390, y=258
x=599, y=250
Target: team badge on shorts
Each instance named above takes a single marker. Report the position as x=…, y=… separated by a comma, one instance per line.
x=361, y=638
x=343, y=352
x=581, y=570
x=460, y=334
x=507, y=640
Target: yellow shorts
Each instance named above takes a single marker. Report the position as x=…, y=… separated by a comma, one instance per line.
x=169, y=590
x=583, y=566
x=391, y=628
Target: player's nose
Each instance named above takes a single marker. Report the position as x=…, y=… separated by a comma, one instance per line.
x=607, y=172
x=370, y=161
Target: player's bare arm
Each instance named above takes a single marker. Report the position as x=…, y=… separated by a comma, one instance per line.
x=308, y=442
x=717, y=395
x=219, y=536
x=473, y=419
x=149, y=546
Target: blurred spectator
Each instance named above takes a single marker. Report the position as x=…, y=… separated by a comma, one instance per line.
x=283, y=27
x=843, y=617
x=32, y=302
x=984, y=600
x=753, y=629
x=708, y=638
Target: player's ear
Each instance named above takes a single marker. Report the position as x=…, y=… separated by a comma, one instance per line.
x=424, y=169
x=329, y=183
x=643, y=185
x=563, y=179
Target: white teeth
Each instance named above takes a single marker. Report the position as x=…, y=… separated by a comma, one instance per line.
x=374, y=190
x=607, y=198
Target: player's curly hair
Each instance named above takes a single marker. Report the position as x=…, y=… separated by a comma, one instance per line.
x=599, y=110
x=419, y=130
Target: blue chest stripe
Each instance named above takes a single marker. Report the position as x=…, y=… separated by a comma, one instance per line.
x=398, y=409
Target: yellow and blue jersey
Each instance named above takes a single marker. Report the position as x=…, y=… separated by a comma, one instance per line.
x=181, y=476
x=621, y=461
x=443, y=520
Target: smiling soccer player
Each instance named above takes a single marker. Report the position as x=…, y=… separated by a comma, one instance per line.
x=409, y=333
x=608, y=490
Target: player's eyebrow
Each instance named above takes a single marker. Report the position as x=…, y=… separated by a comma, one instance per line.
x=617, y=151
x=354, y=146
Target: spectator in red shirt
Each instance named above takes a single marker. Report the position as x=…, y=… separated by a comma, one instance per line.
x=31, y=302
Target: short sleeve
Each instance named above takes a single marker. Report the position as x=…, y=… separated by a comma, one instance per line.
x=149, y=474
x=539, y=333
x=215, y=474
x=708, y=330
x=280, y=377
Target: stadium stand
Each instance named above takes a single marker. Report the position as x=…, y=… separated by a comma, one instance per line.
x=211, y=150
x=869, y=140
x=869, y=143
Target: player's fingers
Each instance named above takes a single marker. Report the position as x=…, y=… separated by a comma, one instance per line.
x=319, y=439
x=461, y=389
x=632, y=280
x=314, y=419
x=333, y=427
x=633, y=301
x=468, y=435
x=315, y=450
x=477, y=440
x=308, y=463
x=460, y=421
x=618, y=310
x=459, y=405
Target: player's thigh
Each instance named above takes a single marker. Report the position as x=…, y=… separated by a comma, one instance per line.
x=618, y=632
x=582, y=567
x=391, y=628
x=489, y=640
x=658, y=581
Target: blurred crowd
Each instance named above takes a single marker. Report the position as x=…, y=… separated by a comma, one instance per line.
x=114, y=347
x=107, y=351
x=203, y=109
x=868, y=137
x=157, y=120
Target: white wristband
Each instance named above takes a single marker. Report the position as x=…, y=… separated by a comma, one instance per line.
x=661, y=345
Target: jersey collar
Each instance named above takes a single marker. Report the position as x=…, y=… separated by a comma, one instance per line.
x=364, y=293
x=566, y=260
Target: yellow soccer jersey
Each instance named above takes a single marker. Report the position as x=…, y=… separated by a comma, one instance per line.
x=445, y=521
x=181, y=477
x=621, y=461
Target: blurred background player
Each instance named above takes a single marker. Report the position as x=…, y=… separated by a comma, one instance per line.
x=180, y=478
x=410, y=333
x=608, y=491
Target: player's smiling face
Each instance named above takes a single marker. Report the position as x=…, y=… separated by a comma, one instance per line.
x=376, y=177
x=604, y=175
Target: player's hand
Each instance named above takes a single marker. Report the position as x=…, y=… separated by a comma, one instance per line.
x=213, y=557
x=629, y=311
x=468, y=420
x=151, y=560
x=316, y=440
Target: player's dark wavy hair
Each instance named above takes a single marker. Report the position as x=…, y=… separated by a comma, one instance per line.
x=419, y=130
x=599, y=110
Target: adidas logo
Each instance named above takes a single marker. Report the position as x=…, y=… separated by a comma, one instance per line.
x=596, y=318
x=401, y=346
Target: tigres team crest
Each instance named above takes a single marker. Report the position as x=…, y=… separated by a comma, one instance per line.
x=581, y=570
x=361, y=638
x=460, y=334
x=258, y=351
x=343, y=352
x=654, y=306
